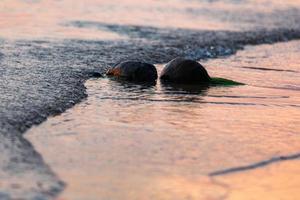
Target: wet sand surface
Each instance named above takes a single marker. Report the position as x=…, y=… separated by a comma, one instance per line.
x=129, y=141
x=50, y=48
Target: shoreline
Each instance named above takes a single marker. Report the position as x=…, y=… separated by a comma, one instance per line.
x=79, y=139
x=78, y=76
x=70, y=82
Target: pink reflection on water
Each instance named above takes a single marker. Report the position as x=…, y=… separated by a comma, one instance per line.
x=132, y=142
x=44, y=19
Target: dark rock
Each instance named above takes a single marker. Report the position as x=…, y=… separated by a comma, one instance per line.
x=181, y=70
x=134, y=71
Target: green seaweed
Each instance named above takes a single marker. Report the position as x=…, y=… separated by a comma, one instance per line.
x=216, y=81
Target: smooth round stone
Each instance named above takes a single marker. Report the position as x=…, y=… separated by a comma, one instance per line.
x=181, y=70
x=134, y=71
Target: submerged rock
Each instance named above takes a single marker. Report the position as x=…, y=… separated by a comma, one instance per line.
x=181, y=70
x=134, y=71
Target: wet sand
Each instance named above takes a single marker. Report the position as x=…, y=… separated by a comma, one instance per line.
x=130, y=141
x=49, y=49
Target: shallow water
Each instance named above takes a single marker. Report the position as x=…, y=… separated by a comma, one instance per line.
x=50, y=48
x=128, y=141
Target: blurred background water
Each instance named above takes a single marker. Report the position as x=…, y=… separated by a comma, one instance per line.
x=49, y=19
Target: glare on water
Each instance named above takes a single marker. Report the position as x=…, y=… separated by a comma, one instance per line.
x=134, y=141
x=129, y=141
x=34, y=19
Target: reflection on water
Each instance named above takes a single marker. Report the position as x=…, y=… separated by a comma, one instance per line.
x=46, y=19
x=279, y=181
x=129, y=141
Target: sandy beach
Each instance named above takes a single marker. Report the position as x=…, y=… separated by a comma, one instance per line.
x=67, y=135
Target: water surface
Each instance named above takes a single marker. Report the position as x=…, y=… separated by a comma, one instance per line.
x=36, y=19
x=49, y=48
x=129, y=141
